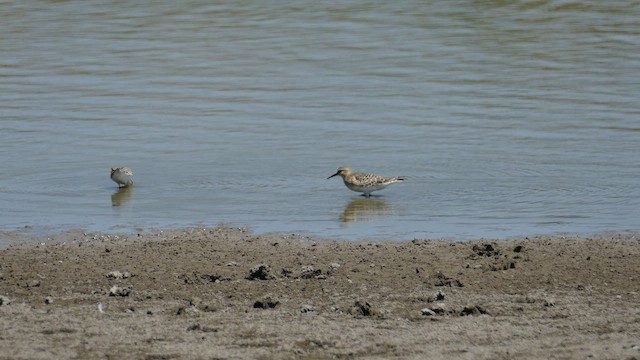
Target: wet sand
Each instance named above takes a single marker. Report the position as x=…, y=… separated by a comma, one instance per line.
x=223, y=293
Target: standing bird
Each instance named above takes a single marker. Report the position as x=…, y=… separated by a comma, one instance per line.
x=122, y=176
x=363, y=182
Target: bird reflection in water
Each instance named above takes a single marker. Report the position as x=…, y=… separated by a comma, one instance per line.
x=121, y=196
x=365, y=209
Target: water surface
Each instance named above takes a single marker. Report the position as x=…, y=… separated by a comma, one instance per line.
x=507, y=118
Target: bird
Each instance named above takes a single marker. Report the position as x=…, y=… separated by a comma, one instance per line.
x=122, y=176
x=364, y=182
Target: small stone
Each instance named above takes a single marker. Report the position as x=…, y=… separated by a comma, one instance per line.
x=118, y=275
x=307, y=309
x=427, y=312
x=119, y=291
x=266, y=303
x=48, y=300
x=308, y=272
x=4, y=300
x=439, y=308
x=187, y=310
x=260, y=272
x=473, y=310
x=485, y=250
x=33, y=283
x=362, y=309
x=286, y=272
x=435, y=309
x=443, y=280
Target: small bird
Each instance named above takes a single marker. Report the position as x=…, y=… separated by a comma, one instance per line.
x=364, y=182
x=122, y=176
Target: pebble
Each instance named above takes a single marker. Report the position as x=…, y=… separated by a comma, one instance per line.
x=473, y=310
x=119, y=291
x=118, y=275
x=427, y=312
x=266, y=303
x=308, y=272
x=307, y=309
x=436, y=309
x=362, y=309
x=333, y=267
x=260, y=272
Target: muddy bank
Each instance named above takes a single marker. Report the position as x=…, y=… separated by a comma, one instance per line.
x=224, y=293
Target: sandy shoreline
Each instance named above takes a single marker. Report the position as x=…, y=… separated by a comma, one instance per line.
x=223, y=293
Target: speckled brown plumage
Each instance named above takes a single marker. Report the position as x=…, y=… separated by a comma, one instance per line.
x=365, y=183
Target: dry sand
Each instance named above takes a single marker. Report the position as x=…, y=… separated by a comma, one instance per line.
x=224, y=293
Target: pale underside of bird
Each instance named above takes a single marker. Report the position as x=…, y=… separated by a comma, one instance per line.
x=122, y=176
x=364, y=182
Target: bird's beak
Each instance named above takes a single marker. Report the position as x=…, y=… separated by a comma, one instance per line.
x=333, y=175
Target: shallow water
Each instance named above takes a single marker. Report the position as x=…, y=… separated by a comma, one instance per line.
x=508, y=118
